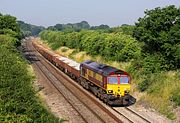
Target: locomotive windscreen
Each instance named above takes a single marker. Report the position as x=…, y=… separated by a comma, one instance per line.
x=124, y=80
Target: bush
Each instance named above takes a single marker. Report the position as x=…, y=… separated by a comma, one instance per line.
x=152, y=64
x=176, y=96
x=142, y=86
x=147, y=64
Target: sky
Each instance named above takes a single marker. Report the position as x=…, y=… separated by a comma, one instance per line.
x=95, y=12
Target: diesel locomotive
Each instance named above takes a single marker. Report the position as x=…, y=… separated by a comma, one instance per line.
x=106, y=82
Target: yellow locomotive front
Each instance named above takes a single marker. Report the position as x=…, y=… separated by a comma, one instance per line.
x=118, y=88
x=118, y=85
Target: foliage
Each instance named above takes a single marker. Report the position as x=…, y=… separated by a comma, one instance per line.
x=144, y=85
x=149, y=64
x=160, y=32
x=144, y=67
x=29, y=30
x=72, y=40
x=9, y=22
x=9, y=26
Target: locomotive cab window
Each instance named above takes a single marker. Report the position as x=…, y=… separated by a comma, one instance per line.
x=124, y=80
x=112, y=80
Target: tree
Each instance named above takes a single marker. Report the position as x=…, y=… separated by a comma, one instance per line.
x=9, y=26
x=59, y=27
x=102, y=26
x=8, y=22
x=159, y=29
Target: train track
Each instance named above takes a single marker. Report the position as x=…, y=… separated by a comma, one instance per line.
x=57, y=78
x=130, y=115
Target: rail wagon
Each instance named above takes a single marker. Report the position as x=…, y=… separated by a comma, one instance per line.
x=70, y=67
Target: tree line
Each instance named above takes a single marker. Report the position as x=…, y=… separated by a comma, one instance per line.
x=71, y=27
x=112, y=46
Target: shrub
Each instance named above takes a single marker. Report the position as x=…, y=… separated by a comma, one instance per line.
x=152, y=64
x=176, y=96
x=142, y=86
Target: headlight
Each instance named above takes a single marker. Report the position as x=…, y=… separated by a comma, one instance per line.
x=110, y=91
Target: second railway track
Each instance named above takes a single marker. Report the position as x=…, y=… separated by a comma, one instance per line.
x=131, y=115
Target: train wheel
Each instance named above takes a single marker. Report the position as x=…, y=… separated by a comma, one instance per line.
x=102, y=97
x=79, y=81
x=94, y=90
x=105, y=99
x=99, y=95
x=87, y=85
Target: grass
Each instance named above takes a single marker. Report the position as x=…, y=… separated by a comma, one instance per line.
x=65, y=51
x=159, y=94
x=30, y=71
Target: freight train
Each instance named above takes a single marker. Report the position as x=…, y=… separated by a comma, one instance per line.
x=108, y=83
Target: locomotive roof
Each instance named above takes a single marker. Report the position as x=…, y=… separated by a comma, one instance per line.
x=101, y=68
